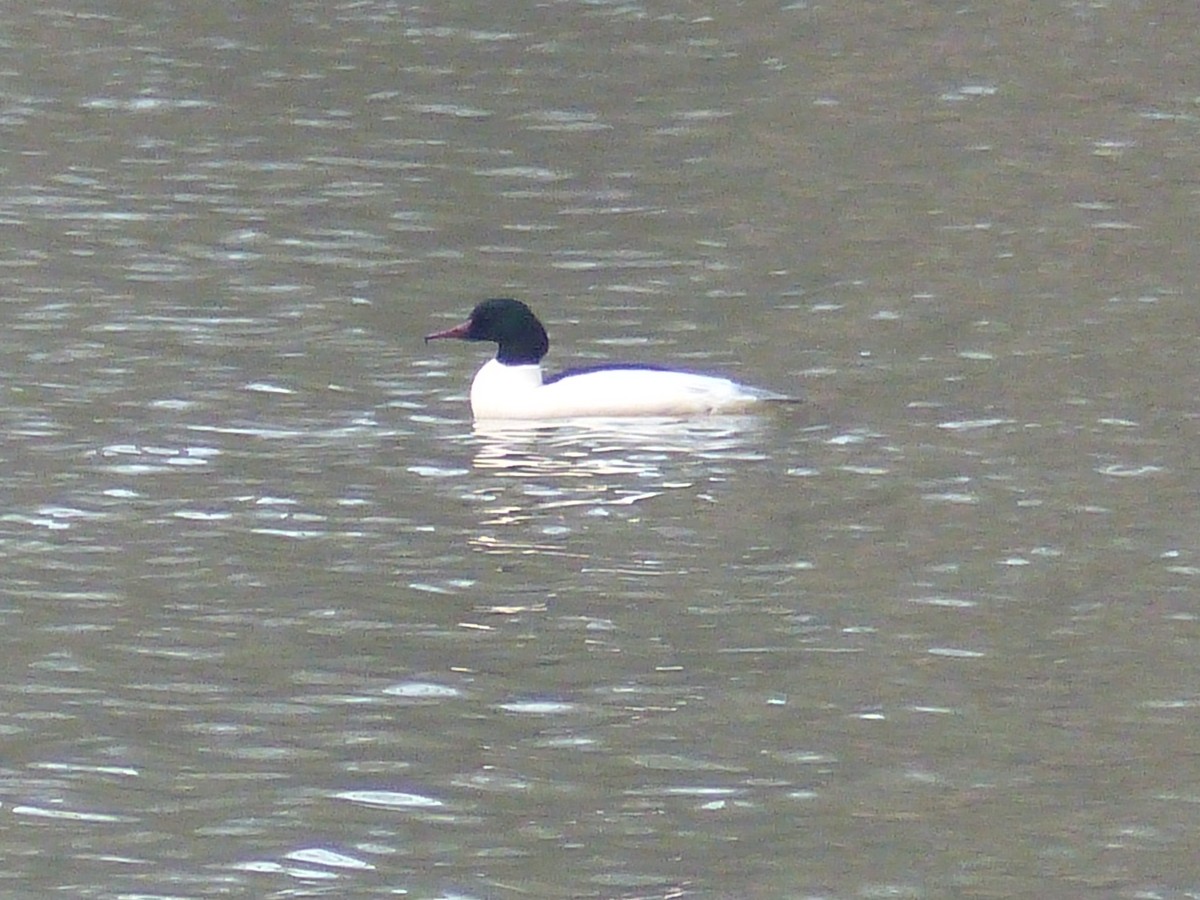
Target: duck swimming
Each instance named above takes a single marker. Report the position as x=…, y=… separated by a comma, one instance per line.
x=512, y=386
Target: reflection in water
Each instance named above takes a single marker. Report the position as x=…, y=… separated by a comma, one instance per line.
x=597, y=465
x=585, y=448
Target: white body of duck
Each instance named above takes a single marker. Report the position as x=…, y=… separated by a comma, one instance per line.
x=512, y=386
x=502, y=391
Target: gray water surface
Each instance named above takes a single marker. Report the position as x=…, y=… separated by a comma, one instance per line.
x=279, y=621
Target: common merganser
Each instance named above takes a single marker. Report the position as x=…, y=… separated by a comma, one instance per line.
x=511, y=386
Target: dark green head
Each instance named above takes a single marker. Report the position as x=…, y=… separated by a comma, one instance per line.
x=510, y=323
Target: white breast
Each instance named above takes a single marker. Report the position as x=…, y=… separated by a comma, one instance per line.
x=500, y=391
